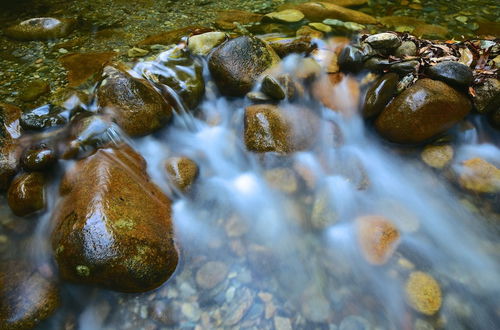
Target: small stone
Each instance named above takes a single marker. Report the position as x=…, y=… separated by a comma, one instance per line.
x=308, y=32
x=272, y=87
x=258, y=97
x=202, y=44
x=283, y=179
x=34, y=90
x=453, y=73
x=323, y=215
x=479, y=176
x=378, y=238
x=437, y=156
x=420, y=324
x=379, y=95
x=384, y=40
x=182, y=172
x=63, y=50
x=286, y=46
x=282, y=323
x=287, y=16
x=423, y=293
x=350, y=59
x=405, y=67
x=43, y=117
x=352, y=26
x=42, y=28
x=26, y=194
x=321, y=27
x=242, y=304
x=316, y=308
x=137, y=52
x=211, y=274
x=407, y=48
x=462, y=19
x=38, y=158
x=191, y=311
x=333, y=22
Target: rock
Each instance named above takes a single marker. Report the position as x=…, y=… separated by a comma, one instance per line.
x=42, y=28
x=135, y=105
x=85, y=66
x=184, y=75
x=181, y=172
x=10, y=130
x=137, y=52
x=430, y=31
x=378, y=238
x=237, y=63
x=27, y=297
x=315, y=307
x=38, y=158
x=202, y=44
x=377, y=64
x=487, y=95
x=34, y=90
x=43, y=117
x=452, y=73
x=286, y=46
x=437, y=156
x=423, y=293
x=9, y=161
x=282, y=323
x=269, y=128
x=421, y=112
x=211, y=274
x=323, y=214
x=478, y=175
x=226, y=19
x=321, y=27
x=338, y=92
x=9, y=122
x=350, y=59
x=286, y=16
x=172, y=36
x=384, y=41
x=310, y=33
x=407, y=48
x=282, y=179
x=272, y=88
x=258, y=97
x=113, y=226
x=354, y=322
x=318, y=11
x=495, y=118
x=380, y=94
x=351, y=26
x=26, y=194
x=405, y=67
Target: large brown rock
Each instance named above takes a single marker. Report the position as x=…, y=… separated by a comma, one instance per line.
x=26, y=296
x=318, y=11
x=113, y=226
x=135, y=105
x=270, y=128
x=236, y=64
x=422, y=111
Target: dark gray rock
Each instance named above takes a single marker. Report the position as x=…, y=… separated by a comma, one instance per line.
x=453, y=73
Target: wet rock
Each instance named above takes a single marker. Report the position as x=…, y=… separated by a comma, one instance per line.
x=380, y=94
x=211, y=274
x=269, y=128
x=26, y=194
x=202, y=44
x=286, y=46
x=422, y=111
x=137, y=52
x=430, y=31
x=318, y=11
x=41, y=28
x=378, y=238
x=384, y=41
x=10, y=130
x=323, y=214
x=34, y=90
x=286, y=16
x=377, y=64
x=9, y=161
x=487, y=95
x=272, y=87
x=27, y=296
x=354, y=322
x=338, y=92
x=423, y=293
x=282, y=179
x=112, y=225
x=308, y=32
x=258, y=97
x=9, y=122
x=85, y=66
x=407, y=48
x=405, y=67
x=243, y=302
x=350, y=59
x=226, y=19
x=437, y=156
x=237, y=63
x=135, y=105
x=321, y=27
x=43, y=117
x=182, y=172
x=479, y=176
x=282, y=323
x=172, y=36
x=184, y=76
x=38, y=158
x=453, y=73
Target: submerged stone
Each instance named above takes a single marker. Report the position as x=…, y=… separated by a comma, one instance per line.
x=350, y=59
x=172, y=36
x=38, y=158
x=453, y=73
x=181, y=172
x=478, y=175
x=27, y=297
x=339, y=92
x=134, y=104
x=34, y=90
x=43, y=117
x=407, y=48
x=378, y=238
x=437, y=156
x=202, y=44
x=237, y=63
x=318, y=11
x=84, y=66
x=423, y=293
x=487, y=95
x=41, y=28
x=286, y=46
x=380, y=94
x=286, y=16
x=10, y=130
x=422, y=111
x=113, y=227
x=26, y=193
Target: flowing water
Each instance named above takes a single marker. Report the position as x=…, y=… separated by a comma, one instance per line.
x=284, y=228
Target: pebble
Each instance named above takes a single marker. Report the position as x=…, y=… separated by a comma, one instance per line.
x=211, y=274
x=287, y=16
x=191, y=311
x=437, y=156
x=202, y=44
x=282, y=323
x=350, y=59
x=384, y=40
x=423, y=293
x=321, y=27
x=453, y=73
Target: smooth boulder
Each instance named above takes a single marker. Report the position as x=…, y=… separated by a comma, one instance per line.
x=134, y=104
x=236, y=64
x=113, y=226
x=421, y=112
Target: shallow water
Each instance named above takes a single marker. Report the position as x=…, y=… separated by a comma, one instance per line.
x=284, y=226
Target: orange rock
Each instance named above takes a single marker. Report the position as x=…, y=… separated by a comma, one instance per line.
x=81, y=66
x=318, y=11
x=378, y=238
x=338, y=92
x=423, y=293
x=480, y=176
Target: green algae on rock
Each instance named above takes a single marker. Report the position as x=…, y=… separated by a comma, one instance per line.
x=236, y=64
x=113, y=227
x=26, y=193
x=422, y=111
x=135, y=105
x=42, y=28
